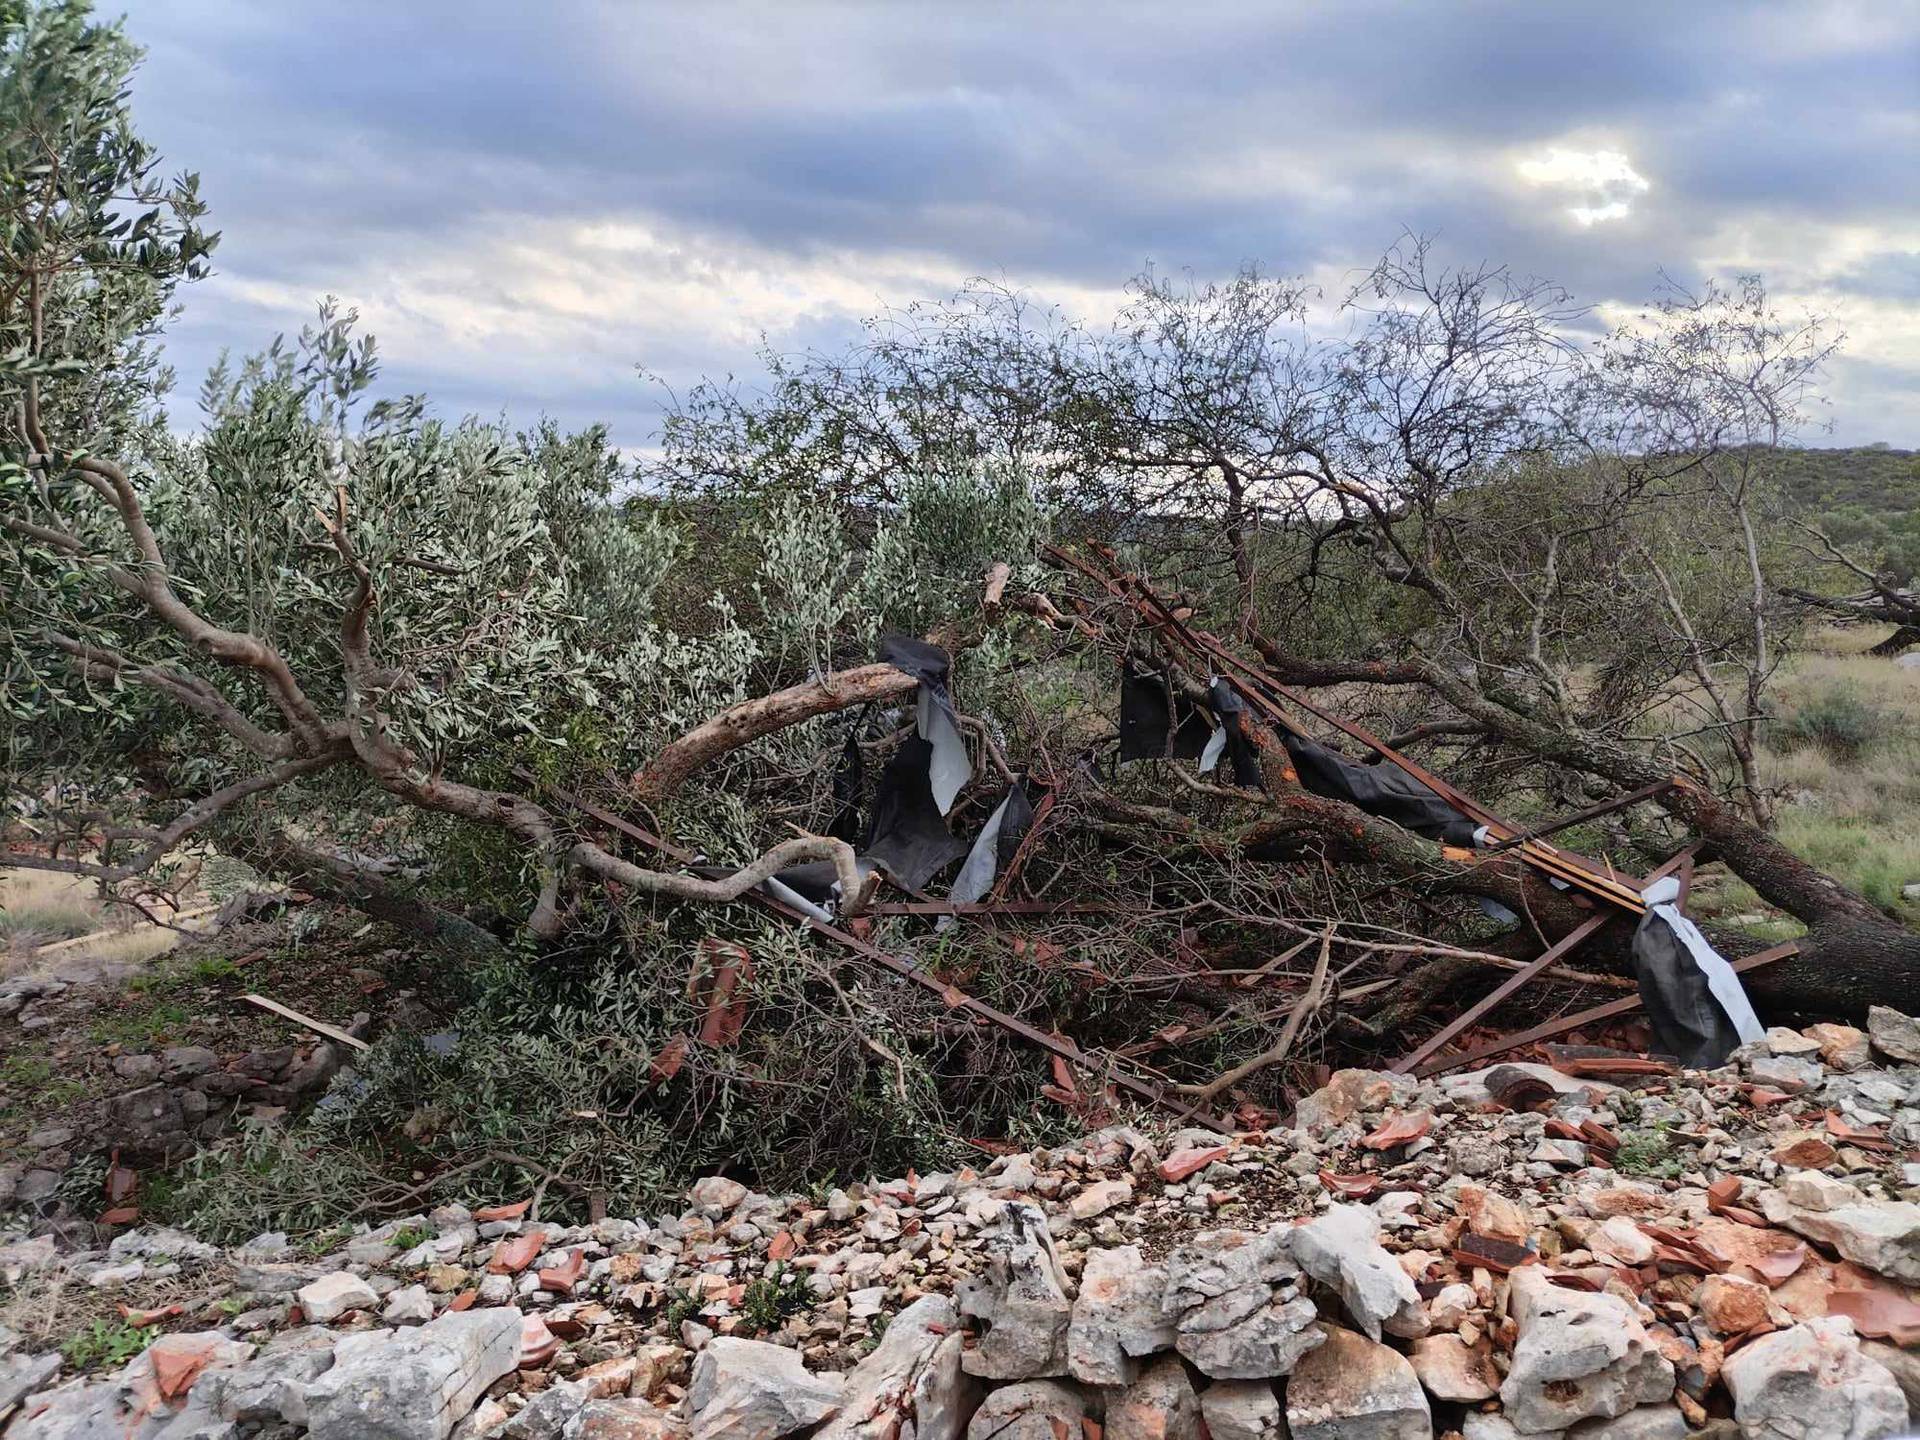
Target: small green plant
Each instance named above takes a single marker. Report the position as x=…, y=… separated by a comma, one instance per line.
x=327, y=1241
x=767, y=1302
x=1647, y=1152
x=684, y=1306
x=409, y=1236
x=107, y=1344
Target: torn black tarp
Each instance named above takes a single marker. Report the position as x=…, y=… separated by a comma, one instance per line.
x=1384, y=790
x=994, y=847
x=948, y=767
x=1697, y=1006
x=849, y=778
x=1228, y=705
x=1157, y=724
x=907, y=834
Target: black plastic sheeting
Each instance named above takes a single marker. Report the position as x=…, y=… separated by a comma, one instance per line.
x=1384, y=790
x=1157, y=724
x=1149, y=711
x=948, y=768
x=1678, y=980
x=1241, y=754
x=995, y=846
x=906, y=834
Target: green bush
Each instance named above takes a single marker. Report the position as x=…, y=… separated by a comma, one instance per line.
x=1839, y=722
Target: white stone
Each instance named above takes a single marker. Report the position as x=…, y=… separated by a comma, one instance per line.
x=1353, y=1388
x=412, y=1384
x=750, y=1390
x=1242, y=1410
x=331, y=1296
x=1020, y=1301
x=1813, y=1383
x=1117, y=1317
x=1341, y=1249
x=1578, y=1355
x=911, y=1387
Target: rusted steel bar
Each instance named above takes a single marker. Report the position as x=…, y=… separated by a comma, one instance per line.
x=1500, y=992
x=1592, y=812
x=910, y=970
x=1575, y=869
x=1625, y=1005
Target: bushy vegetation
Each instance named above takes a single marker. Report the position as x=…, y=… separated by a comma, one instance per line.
x=348, y=640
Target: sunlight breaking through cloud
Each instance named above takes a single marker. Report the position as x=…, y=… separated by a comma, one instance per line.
x=1604, y=181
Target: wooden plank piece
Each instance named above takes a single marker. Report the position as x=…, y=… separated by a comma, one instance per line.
x=320, y=1027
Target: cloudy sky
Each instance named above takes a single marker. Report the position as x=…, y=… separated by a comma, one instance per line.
x=529, y=201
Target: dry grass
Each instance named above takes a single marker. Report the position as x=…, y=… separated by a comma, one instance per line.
x=49, y=1309
x=1855, y=815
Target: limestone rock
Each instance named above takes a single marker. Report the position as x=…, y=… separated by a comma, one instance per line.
x=547, y=1415
x=1030, y=1410
x=1341, y=1249
x=1349, y=1093
x=1353, y=1388
x=717, y=1192
x=412, y=1384
x=1160, y=1405
x=1842, y=1047
x=1100, y=1197
x=1578, y=1355
x=1644, y=1422
x=21, y=1375
x=911, y=1387
x=750, y=1390
x=331, y=1296
x=1235, y=1300
x=1894, y=1034
x=1242, y=1410
x=1883, y=1235
x=1451, y=1369
x=621, y=1418
x=1730, y=1305
x=1117, y=1317
x=1020, y=1301
x=1813, y=1383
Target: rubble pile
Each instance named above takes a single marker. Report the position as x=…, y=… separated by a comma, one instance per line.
x=1598, y=1249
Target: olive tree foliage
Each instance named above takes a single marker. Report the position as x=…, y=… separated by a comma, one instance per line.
x=323, y=612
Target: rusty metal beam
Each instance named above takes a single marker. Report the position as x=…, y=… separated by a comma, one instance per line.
x=1551, y=1028
x=1505, y=988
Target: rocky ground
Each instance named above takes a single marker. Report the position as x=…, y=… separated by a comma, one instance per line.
x=1596, y=1249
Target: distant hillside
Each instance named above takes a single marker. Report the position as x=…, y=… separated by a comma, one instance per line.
x=1866, y=497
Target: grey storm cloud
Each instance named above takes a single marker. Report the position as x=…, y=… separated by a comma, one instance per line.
x=528, y=201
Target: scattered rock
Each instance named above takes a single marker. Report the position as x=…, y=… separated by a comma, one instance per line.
x=1237, y=1307
x=1030, y=1410
x=331, y=1296
x=1578, y=1355
x=1813, y=1383
x=1341, y=1249
x=1894, y=1034
x=750, y=1390
x=412, y=1384
x=1117, y=1318
x=911, y=1387
x=1160, y=1405
x=1353, y=1388
x=1020, y=1304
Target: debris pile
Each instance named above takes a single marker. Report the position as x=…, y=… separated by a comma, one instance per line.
x=1623, y=1253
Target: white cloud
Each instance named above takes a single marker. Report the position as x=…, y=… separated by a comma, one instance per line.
x=1602, y=182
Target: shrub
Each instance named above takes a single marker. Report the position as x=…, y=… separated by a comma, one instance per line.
x=1839, y=722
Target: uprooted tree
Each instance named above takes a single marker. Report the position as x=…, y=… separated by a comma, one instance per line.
x=363, y=649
